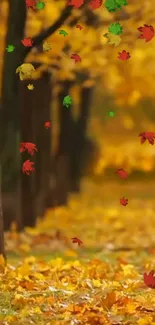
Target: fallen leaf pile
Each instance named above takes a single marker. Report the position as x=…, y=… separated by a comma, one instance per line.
x=107, y=280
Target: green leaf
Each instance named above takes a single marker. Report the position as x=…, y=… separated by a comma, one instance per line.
x=115, y=29
x=10, y=48
x=40, y=5
x=121, y=3
x=63, y=32
x=111, y=5
x=67, y=101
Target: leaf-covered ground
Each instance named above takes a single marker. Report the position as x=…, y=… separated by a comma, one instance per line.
x=49, y=280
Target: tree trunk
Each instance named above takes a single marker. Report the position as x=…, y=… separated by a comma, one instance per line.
x=27, y=103
x=10, y=120
x=64, y=148
x=2, y=249
x=79, y=143
x=43, y=157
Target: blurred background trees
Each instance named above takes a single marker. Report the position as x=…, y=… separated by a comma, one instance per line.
x=83, y=139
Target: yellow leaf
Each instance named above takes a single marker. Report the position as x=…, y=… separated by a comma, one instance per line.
x=46, y=46
x=96, y=283
x=113, y=39
x=30, y=86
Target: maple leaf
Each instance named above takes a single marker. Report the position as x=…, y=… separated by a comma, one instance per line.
x=29, y=146
x=147, y=32
x=67, y=101
x=149, y=279
x=124, y=55
x=63, y=32
x=47, y=125
x=79, y=26
x=27, y=167
x=95, y=4
x=76, y=3
x=115, y=29
x=25, y=70
x=76, y=57
x=30, y=86
x=122, y=173
x=27, y=42
x=47, y=46
x=113, y=5
x=77, y=240
x=123, y=201
x=30, y=3
x=150, y=136
x=113, y=39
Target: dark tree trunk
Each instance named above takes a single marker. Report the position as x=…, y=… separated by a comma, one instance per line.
x=2, y=250
x=27, y=104
x=35, y=107
x=43, y=157
x=79, y=143
x=64, y=148
x=10, y=120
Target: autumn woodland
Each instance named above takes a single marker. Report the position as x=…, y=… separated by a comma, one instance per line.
x=77, y=162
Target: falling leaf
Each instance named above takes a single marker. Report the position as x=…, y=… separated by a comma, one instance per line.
x=47, y=46
x=27, y=167
x=76, y=57
x=30, y=86
x=124, y=55
x=150, y=136
x=29, y=146
x=147, y=32
x=25, y=71
x=113, y=39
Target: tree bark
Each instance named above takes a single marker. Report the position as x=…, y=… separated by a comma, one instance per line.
x=79, y=143
x=64, y=148
x=10, y=120
x=2, y=250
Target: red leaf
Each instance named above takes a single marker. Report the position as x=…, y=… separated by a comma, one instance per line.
x=29, y=146
x=30, y=3
x=124, y=55
x=79, y=26
x=76, y=57
x=95, y=4
x=47, y=125
x=27, y=167
x=122, y=173
x=147, y=32
x=76, y=3
x=27, y=42
x=77, y=240
x=149, y=279
x=150, y=136
x=123, y=201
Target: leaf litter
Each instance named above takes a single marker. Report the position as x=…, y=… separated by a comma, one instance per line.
x=105, y=286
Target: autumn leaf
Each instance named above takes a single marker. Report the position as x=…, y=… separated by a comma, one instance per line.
x=115, y=29
x=77, y=240
x=123, y=201
x=27, y=42
x=76, y=57
x=27, y=167
x=25, y=71
x=147, y=32
x=95, y=4
x=29, y=146
x=113, y=39
x=124, y=55
x=47, y=125
x=150, y=136
x=122, y=173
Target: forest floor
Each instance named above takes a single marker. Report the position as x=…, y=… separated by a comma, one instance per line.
x=50, y=280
